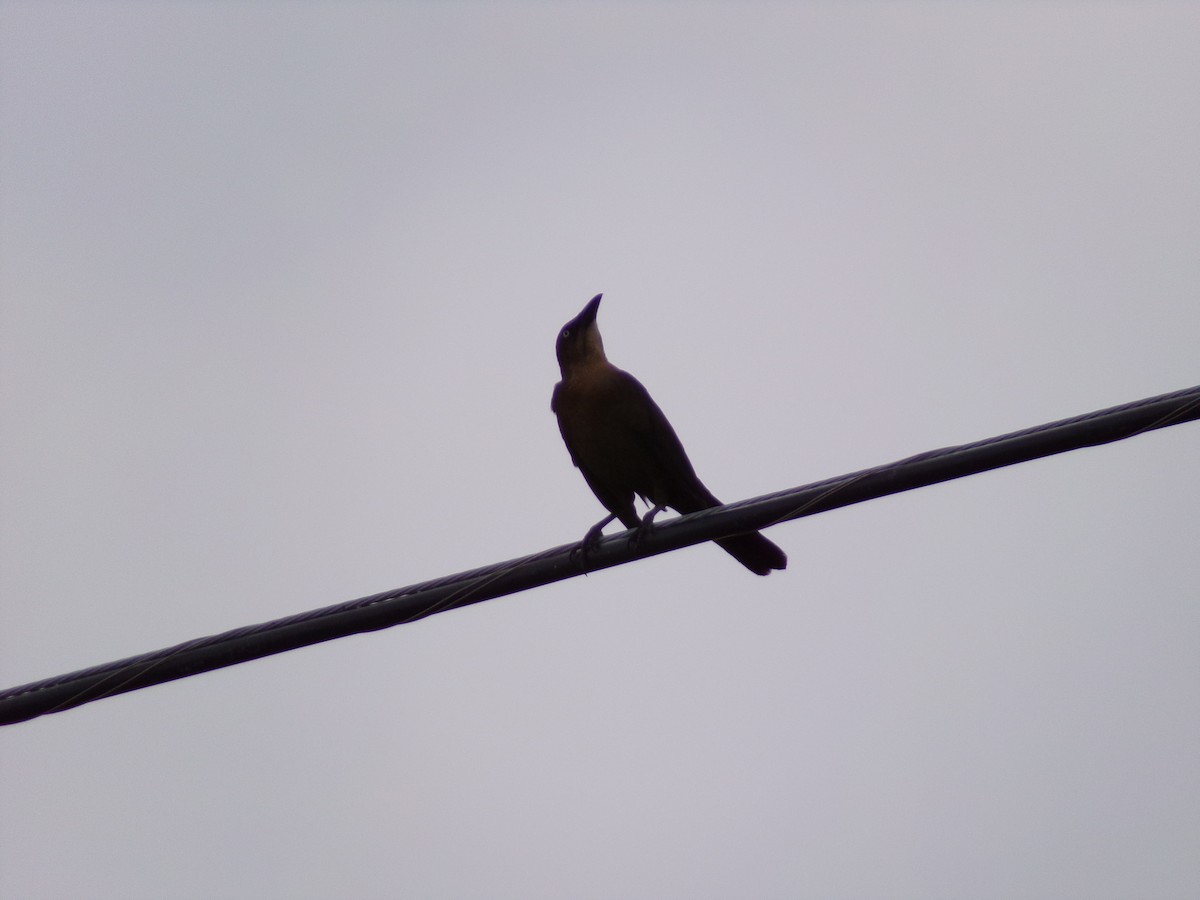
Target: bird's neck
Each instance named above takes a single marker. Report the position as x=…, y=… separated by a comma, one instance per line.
x=592, y=365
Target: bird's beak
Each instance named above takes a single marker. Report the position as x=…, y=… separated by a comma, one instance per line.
x=588, y=316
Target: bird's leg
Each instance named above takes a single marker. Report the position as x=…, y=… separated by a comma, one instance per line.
x=646, y=525
x=589, y=540
x=593, y=533
x=648, y=518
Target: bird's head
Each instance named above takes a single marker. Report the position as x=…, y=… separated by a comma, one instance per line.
x=579, y=340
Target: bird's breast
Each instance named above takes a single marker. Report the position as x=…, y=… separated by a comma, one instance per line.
x=603, y=419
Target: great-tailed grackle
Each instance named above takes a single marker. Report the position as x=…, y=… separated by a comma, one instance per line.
x=623, y=444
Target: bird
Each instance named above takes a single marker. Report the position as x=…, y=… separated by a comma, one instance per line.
x=623, y=445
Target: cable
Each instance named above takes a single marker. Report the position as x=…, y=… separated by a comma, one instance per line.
x=417, y=601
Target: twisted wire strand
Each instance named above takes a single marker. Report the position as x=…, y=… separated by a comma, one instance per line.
x=416, y=601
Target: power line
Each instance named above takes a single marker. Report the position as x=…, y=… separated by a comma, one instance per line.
x=417, y=601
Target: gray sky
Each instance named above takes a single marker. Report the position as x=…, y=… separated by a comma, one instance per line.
x=280, y=288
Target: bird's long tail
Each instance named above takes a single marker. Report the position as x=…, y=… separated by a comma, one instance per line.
x=754, y=552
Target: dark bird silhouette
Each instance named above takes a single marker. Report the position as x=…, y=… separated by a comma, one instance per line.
x=623, y=444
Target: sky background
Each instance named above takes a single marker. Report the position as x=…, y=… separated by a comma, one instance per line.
x=280, y=285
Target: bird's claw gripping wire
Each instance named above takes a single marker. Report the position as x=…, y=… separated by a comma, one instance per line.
x=589, y=540
x=644, y=527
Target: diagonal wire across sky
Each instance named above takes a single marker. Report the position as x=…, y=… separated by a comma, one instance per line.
x=417, y=601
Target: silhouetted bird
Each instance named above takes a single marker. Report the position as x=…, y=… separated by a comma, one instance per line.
x=623, y=444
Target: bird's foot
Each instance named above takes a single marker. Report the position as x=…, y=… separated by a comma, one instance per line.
x=589, y=541
x=578, y=557
x=645, y=526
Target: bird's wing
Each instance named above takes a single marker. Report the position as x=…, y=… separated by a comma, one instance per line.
x=675, y=483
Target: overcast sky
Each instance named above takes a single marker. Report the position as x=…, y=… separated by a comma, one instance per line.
x=280, y=288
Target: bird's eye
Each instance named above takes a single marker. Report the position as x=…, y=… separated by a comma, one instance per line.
x=566, y=332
